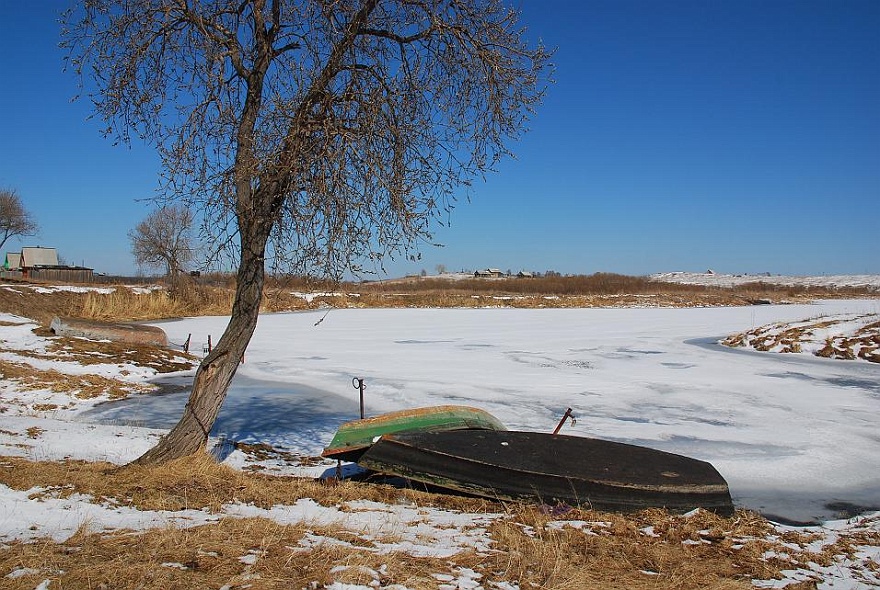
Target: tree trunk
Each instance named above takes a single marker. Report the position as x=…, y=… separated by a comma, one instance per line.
x=214, y=375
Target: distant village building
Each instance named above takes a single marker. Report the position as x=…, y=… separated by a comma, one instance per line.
x=13, y=261
x=524, y=274
x=488, y=273
x=41, y=264
x=38, y=257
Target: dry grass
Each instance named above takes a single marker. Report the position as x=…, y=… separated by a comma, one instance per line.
x=198, y=482
x=864, y=343
x=92, y=352
x=192, y=300
x=579, y=550
x=28, y=377
x=214, y=295
x=621, y=555
x=234, y=553
x=22, y=300
x=765, y=338
x=123, y=303
x=520, y=293
x=87, y=352
x=607, y=284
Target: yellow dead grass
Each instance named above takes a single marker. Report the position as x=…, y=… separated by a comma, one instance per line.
x=90, y=352
x=124, y=303
x=578, y=550
x=87, y=352
x=28, y=377
x=234, y=553
x=214, y=296
x=199, y=482
x=864, y=343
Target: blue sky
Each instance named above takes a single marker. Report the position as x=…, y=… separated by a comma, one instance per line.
x=742, y=136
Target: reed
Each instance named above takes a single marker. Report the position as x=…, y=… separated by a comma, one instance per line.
x=214, y=294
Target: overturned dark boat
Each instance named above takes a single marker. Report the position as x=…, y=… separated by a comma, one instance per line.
x=552, y=469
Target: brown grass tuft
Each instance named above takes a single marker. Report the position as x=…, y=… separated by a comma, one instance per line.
x=200, y=482
x=865, y=343
x=126, y=304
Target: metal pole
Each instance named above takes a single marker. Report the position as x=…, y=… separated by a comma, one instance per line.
x=358, y=383
x=565, y=417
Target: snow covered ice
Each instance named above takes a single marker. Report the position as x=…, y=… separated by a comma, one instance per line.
x=793, y=434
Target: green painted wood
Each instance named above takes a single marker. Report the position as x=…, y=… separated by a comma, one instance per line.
x=353, y=438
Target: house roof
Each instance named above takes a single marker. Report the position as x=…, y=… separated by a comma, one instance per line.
x=13, y=261
x=39, y=257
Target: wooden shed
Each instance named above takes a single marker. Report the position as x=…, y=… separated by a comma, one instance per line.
x=39, y=256
x=41, y=264
x=13, y=261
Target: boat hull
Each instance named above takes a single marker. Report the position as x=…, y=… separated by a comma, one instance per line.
x=353, y=438
x=552, y=469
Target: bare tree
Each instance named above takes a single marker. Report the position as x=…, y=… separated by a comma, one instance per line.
x=165, y=240
x=313, y=136
x=14, y=219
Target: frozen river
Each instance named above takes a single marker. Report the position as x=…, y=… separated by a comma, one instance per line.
x=795, y=436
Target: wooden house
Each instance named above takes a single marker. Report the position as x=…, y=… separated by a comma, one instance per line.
x=13, y=261
x=41, y=264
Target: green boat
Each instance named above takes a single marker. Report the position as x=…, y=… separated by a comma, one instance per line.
x=354, y=438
